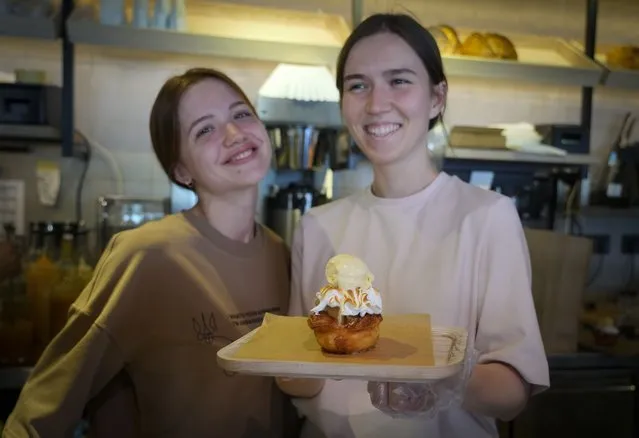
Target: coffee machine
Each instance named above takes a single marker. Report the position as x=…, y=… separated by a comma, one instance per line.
x=307, y=147
x=285, y=207
x=118, y=213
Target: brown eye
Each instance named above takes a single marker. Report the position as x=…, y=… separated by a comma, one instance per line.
x=203, y=131
x=356, y=87
x=243, y=114
x=399, y=81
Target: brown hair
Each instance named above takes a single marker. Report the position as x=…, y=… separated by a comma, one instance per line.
x=164, y=122
x=408, y=29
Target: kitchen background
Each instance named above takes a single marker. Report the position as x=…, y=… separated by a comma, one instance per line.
x=114, y=90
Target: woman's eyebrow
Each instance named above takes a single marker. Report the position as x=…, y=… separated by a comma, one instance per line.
x=386, y=73
x=198, y=120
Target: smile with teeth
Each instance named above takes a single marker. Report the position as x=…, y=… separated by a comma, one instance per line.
x=382, y=130
x=242, y=155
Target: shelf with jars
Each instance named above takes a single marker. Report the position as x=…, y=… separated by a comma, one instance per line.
x=248, y=31
x=35, y=303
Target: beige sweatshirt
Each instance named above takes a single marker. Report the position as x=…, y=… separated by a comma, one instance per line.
x=164, y=299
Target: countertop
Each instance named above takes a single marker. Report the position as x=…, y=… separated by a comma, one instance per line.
x=15, y=377
x=591, y=360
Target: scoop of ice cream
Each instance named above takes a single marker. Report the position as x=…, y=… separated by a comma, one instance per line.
x=349, y=288
x=347, y=272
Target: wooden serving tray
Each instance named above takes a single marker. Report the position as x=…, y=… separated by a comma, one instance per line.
x=409, y=350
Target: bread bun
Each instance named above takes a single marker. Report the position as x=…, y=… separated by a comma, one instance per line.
x=623, y=57
x=476, y=45
x=501, y=46
x=355, y=334
x=490, y=45
x=446, y=38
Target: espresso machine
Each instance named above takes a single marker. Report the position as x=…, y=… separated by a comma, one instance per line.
x=308, y=147
x=119, y=213
x=285, y=207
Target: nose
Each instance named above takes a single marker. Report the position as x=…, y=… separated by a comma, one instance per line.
x=233, y=135
x=378, y=100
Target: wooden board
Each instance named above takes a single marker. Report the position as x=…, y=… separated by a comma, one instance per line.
x=477, y=137
x=409, y=349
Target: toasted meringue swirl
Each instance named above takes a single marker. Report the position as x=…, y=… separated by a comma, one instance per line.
x=350, y=302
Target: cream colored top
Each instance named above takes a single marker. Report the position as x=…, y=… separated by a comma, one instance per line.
x=452, y=250
x=141, y=341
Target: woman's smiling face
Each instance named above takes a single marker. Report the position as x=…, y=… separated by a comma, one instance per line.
x=388, y=98
x=225, y=147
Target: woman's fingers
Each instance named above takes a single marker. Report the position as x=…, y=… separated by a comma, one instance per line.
x=378, y=392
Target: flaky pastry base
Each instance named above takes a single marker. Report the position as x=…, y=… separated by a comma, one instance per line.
x=355, y=335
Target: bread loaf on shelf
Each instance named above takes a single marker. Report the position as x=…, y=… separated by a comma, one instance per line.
x=489, y=45
x=626, y=57
x=447, y=39
x=483, y=45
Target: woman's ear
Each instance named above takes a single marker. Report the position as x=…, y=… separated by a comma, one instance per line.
x=438, y=99
x=182, y=175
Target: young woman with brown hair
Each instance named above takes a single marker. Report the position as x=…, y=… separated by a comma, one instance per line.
x=166, y=296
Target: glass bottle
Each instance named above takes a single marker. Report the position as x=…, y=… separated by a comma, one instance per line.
x=64, y=291
x=16, y=328
x=35, y=244
x=41, y=276
x=84, y=258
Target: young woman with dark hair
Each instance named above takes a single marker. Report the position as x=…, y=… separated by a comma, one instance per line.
x=435, y=244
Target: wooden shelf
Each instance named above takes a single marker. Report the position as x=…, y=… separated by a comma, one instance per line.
x=616, y=77
x=622, y=79
x=540, y=60
x=613, y=77
x=47, y=28
x=266, y=34
x=19, y=136
x=85, y=30
x=519, y=157
x=46, y=134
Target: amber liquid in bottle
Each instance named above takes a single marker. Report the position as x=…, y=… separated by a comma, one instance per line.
x=41, y=276
x=64, y=291
x=16, y=328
